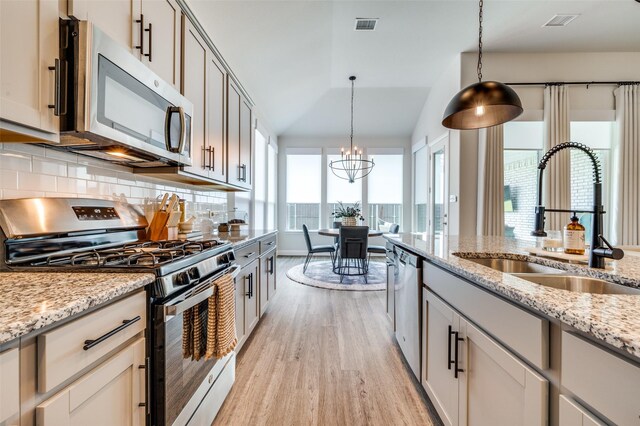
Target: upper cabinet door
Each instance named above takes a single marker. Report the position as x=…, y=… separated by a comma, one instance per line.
x=194, y=70
x=216, y=118
x=162, y=33
x=28, y=73
x=120, y=19
x=235, y=172
x=246, y=143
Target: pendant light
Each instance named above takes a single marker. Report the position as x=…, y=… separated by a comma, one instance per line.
x=482, y=104
x=351, y=165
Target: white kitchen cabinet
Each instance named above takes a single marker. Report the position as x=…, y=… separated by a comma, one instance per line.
x=496, y=388
x=439, y=380
x=252, y=295
x=472, y=379
x=29, y=68
x=111, y=394
x=572, y=414
x=9, y=384
x=150, y=29
x=239, y=136
x=204, y=84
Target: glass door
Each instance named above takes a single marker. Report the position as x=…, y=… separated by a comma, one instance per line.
x=439, y=187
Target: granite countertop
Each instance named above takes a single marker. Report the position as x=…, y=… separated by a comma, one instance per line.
x=614, y=319
x=36, y=299
x=244, y=237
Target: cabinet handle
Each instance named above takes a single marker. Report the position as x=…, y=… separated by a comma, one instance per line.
x=270, y=265
x=150, y=31
x=141, y=22
x=449, y=360
x=88, y=344
x=204, y=158
x=59, y=102
x=248, y=255
x=147, y=387
x=212, y=158
x=244, y=172
x=456, y=370
x=250, y=279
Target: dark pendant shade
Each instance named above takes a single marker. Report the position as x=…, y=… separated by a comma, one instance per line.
x=483, y=104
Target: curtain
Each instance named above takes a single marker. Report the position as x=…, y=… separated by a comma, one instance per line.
x=557, y=184
x=491, y=182
x=626, y=160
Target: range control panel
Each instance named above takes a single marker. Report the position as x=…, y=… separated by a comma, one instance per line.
x=95, y=213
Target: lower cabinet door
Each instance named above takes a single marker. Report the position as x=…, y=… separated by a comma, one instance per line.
x=242, y=285
x=111, y=394
x=572, y=414
x=495, y=387
x=252, y=297
x=264, y=283
x=439, y=379
x=272, y=275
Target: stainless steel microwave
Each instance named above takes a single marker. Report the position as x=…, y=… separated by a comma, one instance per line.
x=115, y=107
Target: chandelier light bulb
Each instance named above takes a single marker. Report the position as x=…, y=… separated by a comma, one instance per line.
x=479, y=110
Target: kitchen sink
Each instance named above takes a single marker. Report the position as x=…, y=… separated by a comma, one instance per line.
x=515, y=266
x=578, y=284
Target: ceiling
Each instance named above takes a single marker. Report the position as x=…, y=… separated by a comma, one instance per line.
x=295, y=57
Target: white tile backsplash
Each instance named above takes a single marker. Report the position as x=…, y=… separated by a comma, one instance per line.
x=28, y=170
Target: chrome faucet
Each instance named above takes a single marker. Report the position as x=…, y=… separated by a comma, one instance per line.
x=598, y=252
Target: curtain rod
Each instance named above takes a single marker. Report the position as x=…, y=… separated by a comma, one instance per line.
x=576, y=83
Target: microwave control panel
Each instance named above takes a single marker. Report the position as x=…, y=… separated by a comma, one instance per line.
x=95, y=213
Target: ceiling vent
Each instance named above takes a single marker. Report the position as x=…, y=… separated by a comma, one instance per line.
x=366, y=24
x=560, y=20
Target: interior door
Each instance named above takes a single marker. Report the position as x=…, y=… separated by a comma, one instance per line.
x=439, y=188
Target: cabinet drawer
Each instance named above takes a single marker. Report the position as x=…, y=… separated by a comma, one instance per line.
x=523, y=332
x=604, y=381
x=9, y=383
x=62, y=353
x=267, y=244
x=572, y=414
x=247, y=253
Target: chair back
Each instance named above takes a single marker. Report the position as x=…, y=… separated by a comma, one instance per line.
x=307, y=239
x=394, y=228
x=336, y=225
x=353, y=242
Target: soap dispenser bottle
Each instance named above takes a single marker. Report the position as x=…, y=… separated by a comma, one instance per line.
x=574, y=237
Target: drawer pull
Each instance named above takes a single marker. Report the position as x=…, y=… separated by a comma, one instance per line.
x=88, y=344
x=248, y=255
x=270, y=243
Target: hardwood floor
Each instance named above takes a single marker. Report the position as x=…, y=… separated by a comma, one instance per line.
x=323, y=357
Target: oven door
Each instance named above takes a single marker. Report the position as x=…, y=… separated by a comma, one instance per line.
x=177, y=377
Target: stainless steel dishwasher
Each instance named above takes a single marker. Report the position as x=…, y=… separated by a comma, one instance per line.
x=408, y=295
x=391, y=280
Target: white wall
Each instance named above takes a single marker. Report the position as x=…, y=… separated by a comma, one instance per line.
x=292, y=242
x=596, y=101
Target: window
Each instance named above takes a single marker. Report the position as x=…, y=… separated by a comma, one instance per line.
x=340, y=190
x=271, y=186
x=385, y=191
x=260, y=184
x=420, y=189
x=597, y=135
x=523, y=141
x=303, y=184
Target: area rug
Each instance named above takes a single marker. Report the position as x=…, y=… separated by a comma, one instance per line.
x=320, y=274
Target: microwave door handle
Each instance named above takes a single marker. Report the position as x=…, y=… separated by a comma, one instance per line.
x=167, y=129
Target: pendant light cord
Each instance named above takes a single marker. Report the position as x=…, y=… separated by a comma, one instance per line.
x=479, y=68
x=352, y=83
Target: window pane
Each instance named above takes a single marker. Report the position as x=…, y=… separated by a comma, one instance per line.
x=520, y=191
x=303, y=178
x=594, y=134
x=303, y=191
x=524, y=135
x=271, y=187
x=385, y=191
x=340, y=189
x=420, y=191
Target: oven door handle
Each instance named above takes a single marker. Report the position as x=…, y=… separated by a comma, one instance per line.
x=178, y=308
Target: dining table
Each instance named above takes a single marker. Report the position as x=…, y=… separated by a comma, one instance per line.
x=335, y=232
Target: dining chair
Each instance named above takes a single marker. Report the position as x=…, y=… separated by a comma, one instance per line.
x=352, y=256
x=336, y=240
x=393, y=229
x=311, y=250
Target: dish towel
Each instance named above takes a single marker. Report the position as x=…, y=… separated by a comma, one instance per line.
x=221, y=321
x=187, y=333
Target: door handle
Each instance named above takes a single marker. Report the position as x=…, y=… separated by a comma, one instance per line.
x=150, y=31
x=141, y=34
x=456, y=370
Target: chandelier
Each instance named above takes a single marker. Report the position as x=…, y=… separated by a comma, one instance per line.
x=482, y=104
x=351, y=165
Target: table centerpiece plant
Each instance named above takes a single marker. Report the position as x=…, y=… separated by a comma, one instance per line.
x=349, y=215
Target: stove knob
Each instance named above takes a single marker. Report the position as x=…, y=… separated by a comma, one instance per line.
x=182, y=278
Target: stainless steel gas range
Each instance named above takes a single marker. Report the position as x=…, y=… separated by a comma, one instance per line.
x=62, y=234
